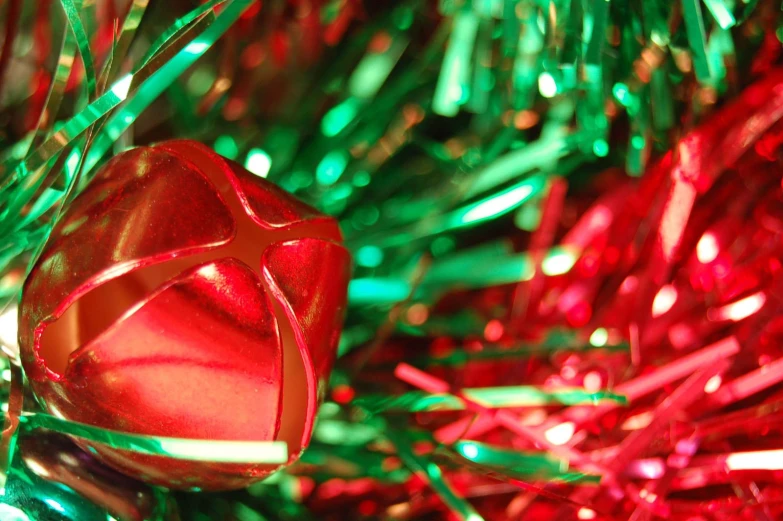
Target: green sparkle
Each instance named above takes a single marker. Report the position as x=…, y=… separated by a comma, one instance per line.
x=361, y=178
x=528, y=217
x=373, y=71
x=469, y=450
x=200, y=81
x=558, y=262
x=328, y=410
x=452, y=89
x=196, y=47
x=547, y=85
x=621, y=93
x=369, y=256
x=301, y=179
x=245, y=513
x=403, y=18
x=339, y=117
x=341, y=192
x=498, y=204
x=56, y=505
x=600, y=337
x=377, y=291
x=721, y=13
x=600, y=148
x=226, y=147
x=331, y=167
x=72, y=162
x=258, y=162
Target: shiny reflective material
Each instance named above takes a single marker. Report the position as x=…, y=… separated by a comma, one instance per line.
x=52, y=479
x=183, y=296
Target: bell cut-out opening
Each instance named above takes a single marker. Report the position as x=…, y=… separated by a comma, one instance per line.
x=99, y=309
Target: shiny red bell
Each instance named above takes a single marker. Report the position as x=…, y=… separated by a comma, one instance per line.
x=182, y=296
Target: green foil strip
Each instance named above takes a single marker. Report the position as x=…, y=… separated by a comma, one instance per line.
x=510, y=28
x=527, y=464
x=28, y=187
x=33, y=170
x=721, y=13
x=746, y=10
x=271, y=452
x=56, y=90
x=11, y=420
x=599, y=19
x=656, y=25
x=483, y=81
x=433, y=475
x=453, y=87
x=663, y=107
x=468, y=215
x=491, y=272
x=491, y=397
x=638, y=139
x=449, y=274
x=528, y=53
x=495, y=205
x=176, y=27
x=158, y=81
x=51, y=196
x=83, y=43
x=374, y=69
x=461, y=357
x=127, y=33
x=694, y=28
x=518, y=162
x=73, y=171
x=572, y=45
x=720, y=47
x=377, y=291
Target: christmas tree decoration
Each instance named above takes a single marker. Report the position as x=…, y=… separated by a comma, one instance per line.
x=564, y=219
x=136, y=302
x=50, y=473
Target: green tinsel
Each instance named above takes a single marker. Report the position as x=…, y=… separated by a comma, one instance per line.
x=415, y=124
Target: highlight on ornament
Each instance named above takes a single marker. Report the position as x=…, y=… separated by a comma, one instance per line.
x=350, y=260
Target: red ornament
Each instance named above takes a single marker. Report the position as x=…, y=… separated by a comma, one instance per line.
x=182, y=296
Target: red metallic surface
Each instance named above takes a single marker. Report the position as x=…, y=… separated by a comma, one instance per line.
x=181, y=295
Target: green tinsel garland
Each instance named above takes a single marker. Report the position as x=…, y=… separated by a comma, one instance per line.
x=419, y=126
